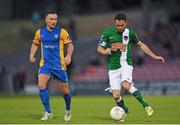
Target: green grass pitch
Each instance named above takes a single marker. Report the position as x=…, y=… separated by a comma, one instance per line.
x=88, y=110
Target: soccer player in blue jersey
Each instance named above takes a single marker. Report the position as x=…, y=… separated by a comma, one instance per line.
x=53, y=61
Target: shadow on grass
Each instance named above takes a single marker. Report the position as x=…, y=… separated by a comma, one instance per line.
x=36, y=116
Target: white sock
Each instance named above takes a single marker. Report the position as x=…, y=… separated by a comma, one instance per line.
x=132, y=89
x=119, y=99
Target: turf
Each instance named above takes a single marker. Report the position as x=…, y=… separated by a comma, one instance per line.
x=88, y=110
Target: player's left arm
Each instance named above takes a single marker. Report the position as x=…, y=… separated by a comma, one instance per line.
x=67, y=41
x=144, y=47
x=69, y=53
x=147, y=51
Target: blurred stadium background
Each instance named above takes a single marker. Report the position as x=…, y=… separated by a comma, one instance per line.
x=157, y=23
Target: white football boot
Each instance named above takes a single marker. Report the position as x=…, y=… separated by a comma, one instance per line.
x=46, y=116
x=68, y=115
x=149, y=110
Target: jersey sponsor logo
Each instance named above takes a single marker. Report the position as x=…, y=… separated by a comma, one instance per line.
x=120, y=46
x=112, y=38
x=50, y=46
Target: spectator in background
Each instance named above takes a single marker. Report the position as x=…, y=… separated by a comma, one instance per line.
x=22, y=78
x=19, y=79
x=35, y=17
x=72, y=27
x=2, y=77
x=140, y=57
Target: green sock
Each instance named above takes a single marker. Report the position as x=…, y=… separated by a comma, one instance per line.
x=139, y=97
x=121, y=104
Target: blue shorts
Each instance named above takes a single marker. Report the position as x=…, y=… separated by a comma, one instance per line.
x=60, y=75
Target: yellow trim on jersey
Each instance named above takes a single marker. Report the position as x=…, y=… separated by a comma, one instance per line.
x=61, y=52
x=64, y=39
x=36, y=39
x=42, y=57
x=65, y=36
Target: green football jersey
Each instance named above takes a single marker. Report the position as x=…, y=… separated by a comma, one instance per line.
x=121, y=56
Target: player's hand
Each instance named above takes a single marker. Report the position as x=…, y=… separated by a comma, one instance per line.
x=113, y=48
x=108, y=51
x=160, y=58
x=67, y=60
x=32, y=59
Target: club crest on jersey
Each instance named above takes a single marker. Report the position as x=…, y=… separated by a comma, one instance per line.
x=125, y=38
x=56, y=36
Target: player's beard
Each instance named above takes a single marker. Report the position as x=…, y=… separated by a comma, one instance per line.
x=52, y=26
x=121, y=30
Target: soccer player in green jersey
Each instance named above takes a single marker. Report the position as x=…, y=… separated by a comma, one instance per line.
x=116, y=43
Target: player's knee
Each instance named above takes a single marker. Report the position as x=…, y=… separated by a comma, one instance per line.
x=41, y=86
x=126, y=85
x=64, y=89
x=116, y=96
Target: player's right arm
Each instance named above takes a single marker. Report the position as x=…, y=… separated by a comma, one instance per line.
x=102, y=46
x=103, y=51
x=34, y=47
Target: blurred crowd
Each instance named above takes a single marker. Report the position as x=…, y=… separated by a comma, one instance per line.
x=87, y=64
x=12, y=82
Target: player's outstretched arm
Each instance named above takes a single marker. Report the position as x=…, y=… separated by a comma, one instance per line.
x=33, y=51
x=69, y=53
x=103, y=51
x=147, y=51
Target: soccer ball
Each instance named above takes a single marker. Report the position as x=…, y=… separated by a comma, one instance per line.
x=117, y=113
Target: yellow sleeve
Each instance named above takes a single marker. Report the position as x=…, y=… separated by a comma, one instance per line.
x=36, y=39
x=65, y=36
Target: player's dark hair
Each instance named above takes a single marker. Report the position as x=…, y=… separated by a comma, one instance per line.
x=50, y=12
x=120, y=16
